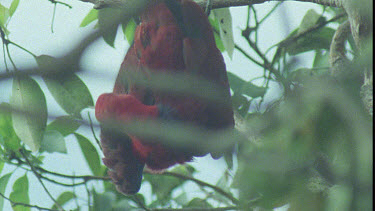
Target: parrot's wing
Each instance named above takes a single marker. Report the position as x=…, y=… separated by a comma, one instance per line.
x=129, y=65
x=203, y=58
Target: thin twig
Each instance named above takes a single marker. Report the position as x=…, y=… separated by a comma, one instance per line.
x=199, y=209
x=93, y=132
x=62, y=3
x=199, y=182
x=40, y=180
x=13, y=203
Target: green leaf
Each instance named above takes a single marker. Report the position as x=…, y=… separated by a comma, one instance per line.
x=69, y=91
x=13, y=7
x=198, y=203
x=163, y=186
x=241, y=87
x=30, y=115
x=20, y=193
x=314, y=40
x=8, y=136
x=104, y=201
x=339, y=198
x=321, y=59
x=108, y=19
x=64, y=124
x=216, y=28
x=4, y=15
x=318, y=39
x=90, y=17
x=90, y=153
x=309, y=20
x=129, y=29
x=64, y=198
x=181, y=199
x=226, y=32
x=3, y=184
x=53, y=141
x=122, y=205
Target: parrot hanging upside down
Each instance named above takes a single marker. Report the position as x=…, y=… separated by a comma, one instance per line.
x=174, y=36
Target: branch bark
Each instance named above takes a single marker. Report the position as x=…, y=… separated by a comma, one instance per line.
x=98, y=4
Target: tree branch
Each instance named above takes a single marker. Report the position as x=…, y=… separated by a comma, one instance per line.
x=40, y=180
x=201, y=183
x=215, y=4
x=13, y=203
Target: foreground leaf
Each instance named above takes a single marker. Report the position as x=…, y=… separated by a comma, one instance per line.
x=242, y=87
x=8, y=137
x=107, y=19
x=3, y=184
x=90, y=153
x=69, y=91
x=64, y=198
x=20, y=193
x=53, y=141
x=104, y=201
x=64, y=124
x=163, y=186
x=129, y=29
x=90, y=17
x=226, y=32
x=29, y=117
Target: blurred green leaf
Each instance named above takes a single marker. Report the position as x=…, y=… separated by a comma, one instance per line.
x=20, y=193
x=3, y=184
x=30, y=115
x=8, y=137
x=309, y=20
x=4, y=15
x=241, y=87
x=107, y=18
x=321, y=60
x=90, y=153
x=181, y=199
x=163, y=186
x=318, y=39
x=53, y=141
x=129, y=29
x=64, y=124
x=13, y=7
x=198, y=204
x=64, y=198
x=228, y=157
x=224, y=19
x=339, y=198
x=69, y=91
x=216, y=28
x=104, y=201
x=314, y=40
x=90, y=17
x=122, y=205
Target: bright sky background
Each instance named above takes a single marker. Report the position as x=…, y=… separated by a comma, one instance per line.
x=30, y=27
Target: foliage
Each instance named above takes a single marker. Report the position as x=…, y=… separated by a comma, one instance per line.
x=309, y=148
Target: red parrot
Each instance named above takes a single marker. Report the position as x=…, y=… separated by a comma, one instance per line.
x=174, y=36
